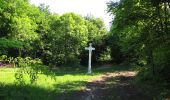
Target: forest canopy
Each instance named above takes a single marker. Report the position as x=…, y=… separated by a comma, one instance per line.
x=36, y=32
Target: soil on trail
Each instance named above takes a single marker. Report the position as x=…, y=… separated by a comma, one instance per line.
x=112, y=86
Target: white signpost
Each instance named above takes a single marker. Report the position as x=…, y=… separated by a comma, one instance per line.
x=90, y=48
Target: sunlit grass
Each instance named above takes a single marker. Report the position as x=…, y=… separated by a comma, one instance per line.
x=66, y=82
x=7, y=76
x=47, y=86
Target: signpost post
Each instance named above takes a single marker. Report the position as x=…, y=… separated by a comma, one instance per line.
x=90, y=48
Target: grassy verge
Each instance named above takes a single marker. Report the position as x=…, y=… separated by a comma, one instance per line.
x=45, y=88
x=65, y=83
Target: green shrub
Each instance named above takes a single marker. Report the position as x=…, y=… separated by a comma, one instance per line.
x=26, y=66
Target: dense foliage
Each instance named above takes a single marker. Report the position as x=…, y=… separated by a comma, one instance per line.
x=140, y=33
x=30, y=31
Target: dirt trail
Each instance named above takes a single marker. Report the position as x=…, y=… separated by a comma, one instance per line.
x=112, y=86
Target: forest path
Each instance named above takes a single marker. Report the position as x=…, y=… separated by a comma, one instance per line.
x=112, y=86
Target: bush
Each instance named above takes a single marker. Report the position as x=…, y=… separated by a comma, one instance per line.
x=26, y=66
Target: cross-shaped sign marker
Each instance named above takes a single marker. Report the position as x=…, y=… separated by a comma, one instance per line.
x=90, y=48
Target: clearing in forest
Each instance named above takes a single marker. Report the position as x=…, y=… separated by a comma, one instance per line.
x=105, y=83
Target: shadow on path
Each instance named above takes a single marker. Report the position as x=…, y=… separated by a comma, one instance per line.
x=112, y=86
